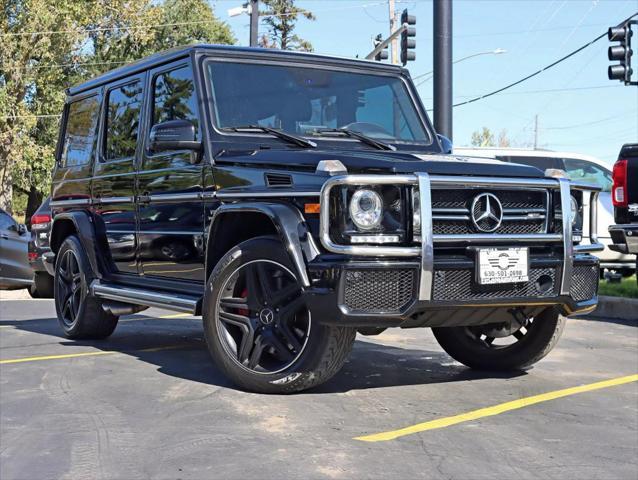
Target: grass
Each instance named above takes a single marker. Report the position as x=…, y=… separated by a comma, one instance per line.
x=626, y=288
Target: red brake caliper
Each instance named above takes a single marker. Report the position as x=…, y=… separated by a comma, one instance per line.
x=244, y=311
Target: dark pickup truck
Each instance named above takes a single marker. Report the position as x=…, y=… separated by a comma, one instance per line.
x=625, y=197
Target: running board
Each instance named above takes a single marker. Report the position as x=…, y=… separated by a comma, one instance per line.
x=148, y=298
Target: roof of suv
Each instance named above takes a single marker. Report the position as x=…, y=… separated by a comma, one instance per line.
x=226, y=50
x=492, y=152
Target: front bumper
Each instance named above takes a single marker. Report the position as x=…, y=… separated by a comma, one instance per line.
x=362, y=293
x=430, y=286
x=625, y=238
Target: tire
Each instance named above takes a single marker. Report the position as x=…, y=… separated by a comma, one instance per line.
x=465, y=344
x=285, y=352
x=80, y=314
x=42, y=286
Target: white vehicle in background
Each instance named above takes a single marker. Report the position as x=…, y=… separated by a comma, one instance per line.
x=583, y=168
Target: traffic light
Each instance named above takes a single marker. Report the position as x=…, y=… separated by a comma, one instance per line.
x=622, y=52
x=408, y=42
x=383, y=54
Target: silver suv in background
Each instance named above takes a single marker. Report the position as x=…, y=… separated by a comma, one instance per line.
x=579, y=168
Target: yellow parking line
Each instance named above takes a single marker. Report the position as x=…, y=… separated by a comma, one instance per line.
x=85, y=354
x=495, y=410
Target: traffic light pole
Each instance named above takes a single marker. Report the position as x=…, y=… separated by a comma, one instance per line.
x=254, y=22
x=386, y=42
x=443, y=67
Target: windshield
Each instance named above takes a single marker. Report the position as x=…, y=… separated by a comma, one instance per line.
x=305, y=101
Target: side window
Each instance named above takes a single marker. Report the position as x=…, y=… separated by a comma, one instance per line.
x=80, y=132
x=6, y=221
x=587, y=172
x=122, y=122
x=174, y=96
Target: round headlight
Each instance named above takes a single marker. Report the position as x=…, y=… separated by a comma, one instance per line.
x=574, y=207
x=366, y=209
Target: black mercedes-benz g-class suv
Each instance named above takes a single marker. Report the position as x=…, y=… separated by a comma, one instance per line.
x=292, y=200
x=624, y=195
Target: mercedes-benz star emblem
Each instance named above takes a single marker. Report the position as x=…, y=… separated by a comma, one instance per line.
x=487, y=212
x=266, y=316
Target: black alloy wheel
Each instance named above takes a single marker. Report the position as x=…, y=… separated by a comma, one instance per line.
x=501, y=335
x=80, y=314
x=71, y=288
x=262, y=318
x=513, y=345
x=258, y=327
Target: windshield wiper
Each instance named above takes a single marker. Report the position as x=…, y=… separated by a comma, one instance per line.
x=361, y=137
x=289, y=137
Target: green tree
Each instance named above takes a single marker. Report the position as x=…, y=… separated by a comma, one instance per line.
x=281, y=18
x=36, y=66
x=483, y=138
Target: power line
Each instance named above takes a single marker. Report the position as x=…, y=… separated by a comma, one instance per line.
x=594, y=122
x=13, y=117
x=177, y=24
x=552, y=90
x=102, y=29
x=571, y=54
x=63, y=65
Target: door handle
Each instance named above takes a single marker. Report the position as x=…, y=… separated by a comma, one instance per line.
x=144, y=198
x=4, y=237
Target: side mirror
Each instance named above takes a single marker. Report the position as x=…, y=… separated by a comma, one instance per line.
x=446, y=143
x=174, y=135
x=19, y=228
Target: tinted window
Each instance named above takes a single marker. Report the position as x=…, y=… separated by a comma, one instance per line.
x=174, y=96
x=122, y=123
x=587, y=172
x=6, y=221
x=305, y=100
x=79, y=134
x=542, y=163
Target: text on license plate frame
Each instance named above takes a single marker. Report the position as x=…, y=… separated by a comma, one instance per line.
x=502, y=265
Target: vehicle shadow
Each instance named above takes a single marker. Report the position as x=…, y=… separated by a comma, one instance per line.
x=177, y=348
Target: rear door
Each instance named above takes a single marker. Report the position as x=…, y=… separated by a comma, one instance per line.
x=171, y=211
x=114, y=173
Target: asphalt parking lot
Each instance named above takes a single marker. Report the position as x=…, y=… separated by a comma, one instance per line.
x=149, y=403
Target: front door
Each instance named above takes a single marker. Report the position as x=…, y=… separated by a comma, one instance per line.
x=14, y=267
x=171, y=211
x=114, y=172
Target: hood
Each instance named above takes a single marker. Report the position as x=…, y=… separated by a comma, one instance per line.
x=364, y=161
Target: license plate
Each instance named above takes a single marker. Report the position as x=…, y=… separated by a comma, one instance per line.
x=502, y=265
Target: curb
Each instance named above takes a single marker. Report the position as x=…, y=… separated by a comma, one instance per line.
x=616, y=307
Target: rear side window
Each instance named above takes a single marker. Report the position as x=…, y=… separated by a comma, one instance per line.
x=80, y=132
x=588, y=172
x=122, y=122
x=174, y=96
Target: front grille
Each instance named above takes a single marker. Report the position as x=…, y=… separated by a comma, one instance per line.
x=378, y=291
x=584, y=282
x=459, y=285
x=524, y=211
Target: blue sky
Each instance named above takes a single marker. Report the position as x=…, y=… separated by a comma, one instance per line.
x=572, y=115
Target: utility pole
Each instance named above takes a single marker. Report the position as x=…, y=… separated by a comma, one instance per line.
x=535, y=131
x=254, y=22
x=393, y=26
x=443, y=67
